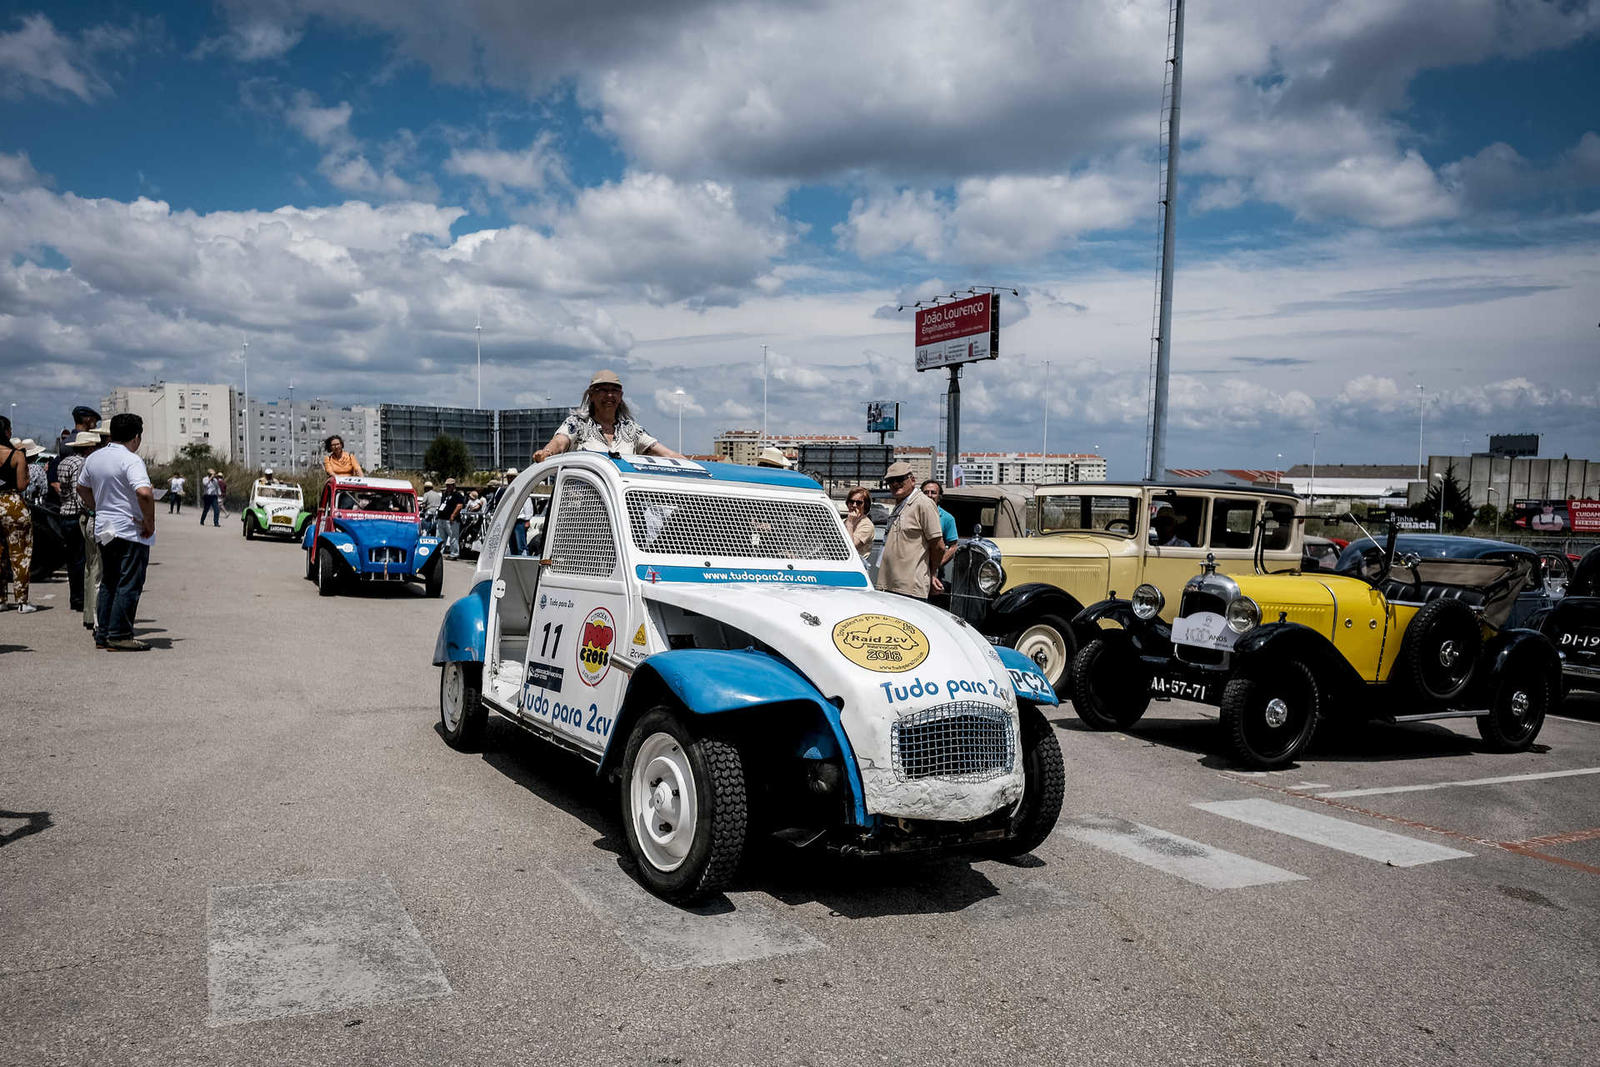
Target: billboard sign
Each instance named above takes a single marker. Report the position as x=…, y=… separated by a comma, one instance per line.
x=883, y=416
x=962, y=331
x=1557, y=516
x=1513, y=444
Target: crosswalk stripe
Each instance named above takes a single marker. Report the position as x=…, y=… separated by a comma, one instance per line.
x=1504, y=779
x=1203, y=865
x=1394, y=849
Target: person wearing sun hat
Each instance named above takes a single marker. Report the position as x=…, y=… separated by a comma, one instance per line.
x=913, y=542
x=602, y=422
x=70, y=522
x=772, y=457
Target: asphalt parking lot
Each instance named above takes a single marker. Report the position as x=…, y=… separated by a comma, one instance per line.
x=250, y=845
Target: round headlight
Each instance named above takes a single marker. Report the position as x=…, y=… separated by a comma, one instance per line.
x=990, y=577
x=1243, y=615
x=1148, y=602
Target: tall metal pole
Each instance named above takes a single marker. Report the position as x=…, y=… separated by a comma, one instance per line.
x=1314, y=469
x=763, y=396
x=1044, y=446
x=1419, y=431
x=244, y=357
x=477, y=330
x=952, y=442
x=1158, y=407
x=293, y=455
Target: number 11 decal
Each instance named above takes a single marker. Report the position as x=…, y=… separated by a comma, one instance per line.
x=547, y=643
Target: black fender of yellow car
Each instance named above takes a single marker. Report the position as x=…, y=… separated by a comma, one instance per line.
x=1150, y=637
x=1018, y=608
x=1514, y=651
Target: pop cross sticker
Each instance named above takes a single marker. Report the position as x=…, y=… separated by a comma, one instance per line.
x=594, y=646
x=880, y=643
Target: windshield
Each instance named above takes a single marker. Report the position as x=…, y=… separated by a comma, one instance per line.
x=277, y=492
x=1080, y=513
x=376, y=500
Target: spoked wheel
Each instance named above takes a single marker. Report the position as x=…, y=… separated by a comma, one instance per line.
x=461, y=711
x=1050, y=643
x=1517, y=713
x=684, y=807
x=1271, y=716
x=1110, y=689
x=1043, y=790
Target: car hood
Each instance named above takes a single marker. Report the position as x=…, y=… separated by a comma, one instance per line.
x=278, y=507
x=1081, y=546
x=375, y=532
x=886, y=658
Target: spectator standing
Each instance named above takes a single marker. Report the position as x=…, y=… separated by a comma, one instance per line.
x=38, y=474
x=16, y=521
x=428, y=504
x=175, y=495
x=210, y=498
x=339, y=463
x=947, y=522
x=913, y=542
x=69, y=528
x=450, y=508
x=83, y=418
x=858, y=519
x=116, y=486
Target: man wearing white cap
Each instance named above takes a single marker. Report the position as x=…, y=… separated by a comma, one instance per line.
x=913, y=543
x=602, y=423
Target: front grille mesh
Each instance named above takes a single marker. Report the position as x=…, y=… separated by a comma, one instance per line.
x=700, y=524
x=964, y=741
x=386, y=554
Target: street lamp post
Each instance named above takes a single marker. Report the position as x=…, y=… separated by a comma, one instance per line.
x=1440, y=526
x=1493, y=492
x=1313, y=493
x=244, y=358
x=679, y=393
x=1044, y=447
x=763, y=397
x=1420, y=406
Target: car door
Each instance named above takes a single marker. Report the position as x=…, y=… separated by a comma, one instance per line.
x=1169, y=566
x=575, y=672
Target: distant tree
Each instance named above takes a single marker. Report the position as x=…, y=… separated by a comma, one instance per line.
x=448, y=457
x=1488, y=517
x=1458, y=511
x=199, y=454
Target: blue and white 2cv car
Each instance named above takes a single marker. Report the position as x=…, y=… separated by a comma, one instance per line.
x=706, y=636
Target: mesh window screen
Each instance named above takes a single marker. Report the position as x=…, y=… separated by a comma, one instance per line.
x=694, y=524
x=965, y=741
x=582, y=542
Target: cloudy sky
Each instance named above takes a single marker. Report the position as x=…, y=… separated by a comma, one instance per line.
x=1376, y=194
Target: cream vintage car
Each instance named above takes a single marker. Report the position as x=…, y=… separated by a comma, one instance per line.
x=1092, y=539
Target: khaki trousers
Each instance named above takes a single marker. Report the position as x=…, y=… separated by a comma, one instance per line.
x=91, y=567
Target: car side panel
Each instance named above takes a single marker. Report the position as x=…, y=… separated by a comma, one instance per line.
x=462, y=634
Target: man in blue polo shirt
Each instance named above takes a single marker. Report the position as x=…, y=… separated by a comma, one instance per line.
x=947, y=522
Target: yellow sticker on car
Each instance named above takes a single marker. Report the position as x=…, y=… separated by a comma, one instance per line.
x=881, y=643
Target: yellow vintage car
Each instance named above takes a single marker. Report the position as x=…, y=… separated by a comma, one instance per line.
x=1090, y=539
x=1404, y=640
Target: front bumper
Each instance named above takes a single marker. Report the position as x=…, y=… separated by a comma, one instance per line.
x=888, y=836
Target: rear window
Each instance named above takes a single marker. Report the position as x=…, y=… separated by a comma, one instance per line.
x=704, y=525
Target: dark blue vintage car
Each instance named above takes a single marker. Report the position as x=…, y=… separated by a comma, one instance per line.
x=368, y=530
x=1365, y=555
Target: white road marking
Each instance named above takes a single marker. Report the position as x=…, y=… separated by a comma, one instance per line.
x=668, y=937
x=1396, y=850
x=298, y=948
x=1503, y=779
x=1568, y=718
x=1190, y=860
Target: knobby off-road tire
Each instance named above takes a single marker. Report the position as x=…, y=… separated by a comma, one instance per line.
x=1043, y=792
x=461, y=711
x=1269, y=717
x=1441, y=647
x=327, y=574
x=685, y=807
x=1521, y=700
x=1110, y=689
x=1050, y=642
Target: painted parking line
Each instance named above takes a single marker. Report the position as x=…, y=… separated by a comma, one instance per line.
x=668, y=937
x=299, y=948
x=1501, y=780
x=1396, y=850
x=1192, y=861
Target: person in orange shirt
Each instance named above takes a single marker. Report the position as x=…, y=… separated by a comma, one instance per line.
x=338, y=462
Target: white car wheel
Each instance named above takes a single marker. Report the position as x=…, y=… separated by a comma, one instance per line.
x=461, y=714
x=663, y=802
x=1045, y=644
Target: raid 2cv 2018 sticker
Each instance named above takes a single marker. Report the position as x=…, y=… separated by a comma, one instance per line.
x=881, y=643
x=594, y=646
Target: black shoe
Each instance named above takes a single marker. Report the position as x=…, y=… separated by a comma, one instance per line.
x=126, y=644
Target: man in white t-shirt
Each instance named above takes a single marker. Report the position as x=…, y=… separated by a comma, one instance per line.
x=116, y=487
x=175, y=495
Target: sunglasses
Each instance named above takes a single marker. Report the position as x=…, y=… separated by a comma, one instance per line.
x=857, y=503
x=608, y=389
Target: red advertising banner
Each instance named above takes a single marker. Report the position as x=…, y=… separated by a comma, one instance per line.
x=1585, y=515
x=961, y=331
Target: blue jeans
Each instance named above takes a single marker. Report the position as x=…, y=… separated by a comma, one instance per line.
x=519, y=538
x=450, y=534
x=212, y=504
x=124, y=564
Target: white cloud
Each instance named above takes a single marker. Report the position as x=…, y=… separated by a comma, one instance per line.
x=325, y=126
x=254, y=38
x=16, y=172
x=529, y=170
x=36, y=59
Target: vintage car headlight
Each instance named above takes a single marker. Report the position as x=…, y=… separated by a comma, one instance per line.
x=1244, y=615
x=990, y=577
x=1148, y=602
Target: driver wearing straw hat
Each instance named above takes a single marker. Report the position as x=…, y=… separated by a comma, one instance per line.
x=602, y=423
